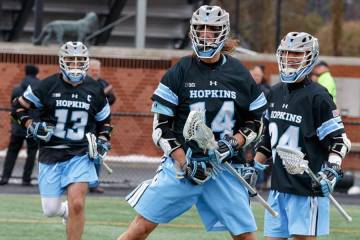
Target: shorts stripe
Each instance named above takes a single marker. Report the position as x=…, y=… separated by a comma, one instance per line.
x=313, y=215
x=135, y=195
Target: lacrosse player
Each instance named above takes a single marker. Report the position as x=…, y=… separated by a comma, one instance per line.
x=71, y=105
x=302, y=116
x=213, y=81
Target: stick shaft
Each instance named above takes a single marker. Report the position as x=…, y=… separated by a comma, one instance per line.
x=332, y=199
x=262, y=201
x=108, y=169
x=211, y=142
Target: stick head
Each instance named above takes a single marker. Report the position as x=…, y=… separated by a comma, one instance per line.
x=195, y=129
x=292, y=159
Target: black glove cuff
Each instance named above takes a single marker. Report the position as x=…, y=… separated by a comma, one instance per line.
x=337, y=170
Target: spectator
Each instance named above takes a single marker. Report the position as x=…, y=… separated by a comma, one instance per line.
x=95, y=72
x=257, y=72
x=322, y=75
x=18, y=134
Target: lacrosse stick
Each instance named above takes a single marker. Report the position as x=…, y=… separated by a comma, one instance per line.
x=294, y=163
x=108, y=169
x=196, y=129
x=91, y=138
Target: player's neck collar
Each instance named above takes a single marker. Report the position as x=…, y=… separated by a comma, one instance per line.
x=302, y=84
x=221, y=61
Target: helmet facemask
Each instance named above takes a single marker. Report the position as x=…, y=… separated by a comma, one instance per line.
x=296, y=56
x=74, y=61
x=208, y=40
x=209, y=29
x=293, y=62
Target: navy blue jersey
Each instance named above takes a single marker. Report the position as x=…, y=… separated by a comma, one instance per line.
x=73, y=110
x=302, y=116
x=225, y=90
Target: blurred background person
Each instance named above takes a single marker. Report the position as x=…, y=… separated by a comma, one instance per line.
x=95, y=73
x=322, y=75
x=18, y=134
x=257, y=72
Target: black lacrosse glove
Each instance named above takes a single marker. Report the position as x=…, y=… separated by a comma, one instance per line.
x=329, y=175
x=197, y=172
x=227, y=148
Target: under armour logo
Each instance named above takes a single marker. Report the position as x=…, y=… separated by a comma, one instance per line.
x=74, y=95
x=213, y=83
x=285, y=106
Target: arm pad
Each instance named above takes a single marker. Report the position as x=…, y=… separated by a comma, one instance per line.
x=264, y=144
x=19, y=113
x=162, y=135
x=251, y=131
x=340, y=146
x=104, y=128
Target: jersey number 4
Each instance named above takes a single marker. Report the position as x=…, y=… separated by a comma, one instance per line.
x=79, y=120
x=223, y=122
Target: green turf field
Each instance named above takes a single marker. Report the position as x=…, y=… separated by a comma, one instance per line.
x=107, y=217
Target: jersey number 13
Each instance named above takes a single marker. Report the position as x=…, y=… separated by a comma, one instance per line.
x=79, y=120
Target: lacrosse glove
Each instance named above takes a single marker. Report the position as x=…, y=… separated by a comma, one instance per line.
x=103, y=146
x=197, y=172
x=40, y=131
x=251, y=172
x=227, y=148
x=97, y=148
x=329, y=175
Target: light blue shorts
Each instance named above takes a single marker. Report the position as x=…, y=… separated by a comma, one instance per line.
x=298, y=215
x=54, y=178
x=222, y=203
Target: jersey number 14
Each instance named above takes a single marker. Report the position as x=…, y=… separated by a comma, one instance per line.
x=223, y=122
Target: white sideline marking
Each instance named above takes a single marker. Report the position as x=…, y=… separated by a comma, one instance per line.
x=121, y=159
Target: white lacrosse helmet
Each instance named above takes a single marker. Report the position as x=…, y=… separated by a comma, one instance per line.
x=74, y=61
x=213, y=21
x=294, y=68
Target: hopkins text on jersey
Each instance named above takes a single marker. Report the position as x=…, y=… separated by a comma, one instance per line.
x=72, y=104
x=212, y=94
x=286, y=116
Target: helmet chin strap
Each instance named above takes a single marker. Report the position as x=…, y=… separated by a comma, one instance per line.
x=210, y=53
x=68, y=79
x=300, y=79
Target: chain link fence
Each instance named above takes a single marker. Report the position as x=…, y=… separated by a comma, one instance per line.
x=128, y=170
